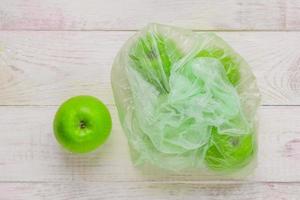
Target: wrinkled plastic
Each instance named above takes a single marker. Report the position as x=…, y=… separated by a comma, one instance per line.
x=185, y=100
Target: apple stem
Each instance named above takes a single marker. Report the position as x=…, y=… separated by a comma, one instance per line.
x=82, y=124
x=234, y=141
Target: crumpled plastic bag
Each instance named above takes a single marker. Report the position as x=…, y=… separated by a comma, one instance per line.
x=185, y=100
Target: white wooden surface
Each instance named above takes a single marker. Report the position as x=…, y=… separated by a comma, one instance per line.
x=51, y=50
x=134, y=14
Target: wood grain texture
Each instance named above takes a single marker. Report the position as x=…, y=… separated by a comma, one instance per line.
x=45, y=68
x=29, y=152
x=134, y=14
x=39, y=69
x=149, y=191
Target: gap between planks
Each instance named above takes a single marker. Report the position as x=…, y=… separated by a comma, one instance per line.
x=110, y=104
x=200, y=182
x=136, y=30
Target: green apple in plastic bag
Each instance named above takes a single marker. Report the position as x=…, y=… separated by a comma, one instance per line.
x=150, y=53
x=230, y=66
x=174, y=89
x=229, y=152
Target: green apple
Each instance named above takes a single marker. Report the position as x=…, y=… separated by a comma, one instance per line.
x=152, y=56
x=230, y=65
x=228, y=152
x=82, y=124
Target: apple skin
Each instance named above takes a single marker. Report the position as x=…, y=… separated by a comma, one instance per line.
x=229, y=152
x=82, y=124
x=152, y=56
x=230, y=65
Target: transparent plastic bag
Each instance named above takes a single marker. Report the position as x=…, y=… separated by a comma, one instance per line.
x=185, y=100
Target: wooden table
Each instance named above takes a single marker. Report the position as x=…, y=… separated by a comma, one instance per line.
x=54, y=49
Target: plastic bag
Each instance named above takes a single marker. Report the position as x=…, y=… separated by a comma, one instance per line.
x=185, y=100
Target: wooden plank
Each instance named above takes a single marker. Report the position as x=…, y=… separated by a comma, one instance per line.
x=29, y=152
x=149, y=190
x=45, y=68
x=134, y=14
